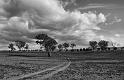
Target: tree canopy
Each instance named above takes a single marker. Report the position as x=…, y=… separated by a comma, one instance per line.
x=93, y=44
x=103, y=44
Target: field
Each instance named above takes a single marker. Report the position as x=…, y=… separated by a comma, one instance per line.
x=89, y=66
x=13, y=66
x=91, y=71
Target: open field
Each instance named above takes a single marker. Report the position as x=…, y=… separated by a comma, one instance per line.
x=84, y=66
x=12, y=66
x=93, y=66
x=91, y=71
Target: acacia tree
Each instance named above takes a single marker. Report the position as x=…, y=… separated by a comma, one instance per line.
x=47, y=42
x=11, y=46
x=72, y=45
x=60, y=47
x=40, y=39
x=93, y=44
x=66, y=45
x=53, y=48
x=103, y=44
x=26, y=46
x=20, y=44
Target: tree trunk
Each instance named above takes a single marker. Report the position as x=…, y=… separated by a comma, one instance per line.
x=49, y=55
x=49, y=52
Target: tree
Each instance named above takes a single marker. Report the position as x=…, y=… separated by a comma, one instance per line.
x=114, y=45
x=84, y=49
x=53, y=48
x=60, y=47
x=26, y=46
x=73, y=45
x=66, y=45
x=20, y=44
x=11, y=46
x=115, y=48
x=93, y=44
x=47, y=42
x=103, y=44
x=40, y=39
x=40, y=43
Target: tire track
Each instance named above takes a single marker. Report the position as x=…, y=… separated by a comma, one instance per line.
x=54, y=70
x=31, y=74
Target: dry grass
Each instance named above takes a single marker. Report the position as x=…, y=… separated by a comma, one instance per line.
x=91, y=71
x=15, y=66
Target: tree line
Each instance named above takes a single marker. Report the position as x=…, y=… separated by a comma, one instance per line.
x=102, y=44
x=49, y=44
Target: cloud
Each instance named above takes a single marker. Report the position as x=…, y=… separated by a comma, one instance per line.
x=113, y=20
x=66, y=3
x=117, y=35
x=26, y=18
x=100, y=6
x=92, y=6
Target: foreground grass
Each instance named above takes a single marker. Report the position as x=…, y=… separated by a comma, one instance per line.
x=91, y=71
x=16, y=66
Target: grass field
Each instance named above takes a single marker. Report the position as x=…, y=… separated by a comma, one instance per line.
x=12, y=66
x=92, y=66
x=91, y=71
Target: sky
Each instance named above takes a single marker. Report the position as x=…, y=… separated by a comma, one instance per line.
x=73, y=21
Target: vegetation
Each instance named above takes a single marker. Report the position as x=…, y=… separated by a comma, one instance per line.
x=49, y=45
x=26, y=47
x=93, y=44
x=103, y=44
x=73, y=45
x=11, y=46
x=47, y=42
x=60, y=47
x=66, y=45
x=20, y=44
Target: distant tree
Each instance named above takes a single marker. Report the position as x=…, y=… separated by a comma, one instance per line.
x=11, y=46
x=81, y=49
x=65, y=45
x=109, y=49
x=60, y=46
x=84, y=49
x=114, y=45
x=87, y=49
x=47, y=42
x=26, y=46
x=103, y=44
x=20, y=44
x=115, y=48
x=72, y=45
x=93, y=44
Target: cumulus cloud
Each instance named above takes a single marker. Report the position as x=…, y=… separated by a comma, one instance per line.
x=26, y=18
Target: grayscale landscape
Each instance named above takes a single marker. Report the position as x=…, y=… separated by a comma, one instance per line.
x=61, y=40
